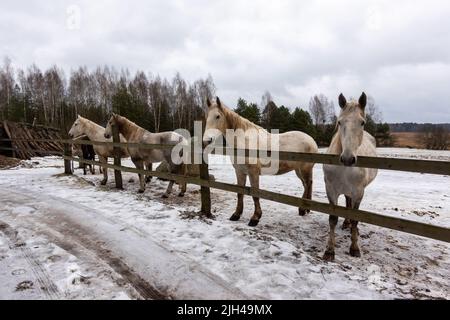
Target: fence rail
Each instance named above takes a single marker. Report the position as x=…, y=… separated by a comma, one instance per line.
x=385, y=163
x=395, y=223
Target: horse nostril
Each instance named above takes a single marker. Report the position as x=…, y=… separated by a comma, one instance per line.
x=353, y=160
x=341, y=159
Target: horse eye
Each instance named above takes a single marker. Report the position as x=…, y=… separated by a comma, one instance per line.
x=363, y=123
x=339, y=123
x=218, y=117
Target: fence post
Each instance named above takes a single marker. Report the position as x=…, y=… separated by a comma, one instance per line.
x=117, y=161
x=67, y=162
x=204, y=191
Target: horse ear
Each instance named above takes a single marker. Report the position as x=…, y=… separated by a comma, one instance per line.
x=363, y=100
x=208, y=102
x=219, y=104
x=342, y=101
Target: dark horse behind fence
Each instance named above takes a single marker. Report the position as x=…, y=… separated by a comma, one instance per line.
x=86, y=152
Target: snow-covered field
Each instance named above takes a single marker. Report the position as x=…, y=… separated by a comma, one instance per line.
x=66, y=237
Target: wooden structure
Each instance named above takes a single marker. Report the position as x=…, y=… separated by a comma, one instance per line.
x=26, y=140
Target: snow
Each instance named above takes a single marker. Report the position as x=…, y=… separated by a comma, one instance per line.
x=279, y=259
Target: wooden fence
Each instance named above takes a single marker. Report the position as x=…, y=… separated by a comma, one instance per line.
x=395, y=223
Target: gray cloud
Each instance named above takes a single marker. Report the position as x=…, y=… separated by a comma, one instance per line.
x=397, y=51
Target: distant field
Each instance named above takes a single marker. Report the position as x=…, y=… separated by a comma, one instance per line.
x=408, y=140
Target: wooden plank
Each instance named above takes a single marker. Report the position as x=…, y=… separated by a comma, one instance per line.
x=117, y=161
x=67, y=153
x=400, y=224
x=5, y=126
x=45, y=152
x=398, y=164
x=205, y=192
x=407, y=165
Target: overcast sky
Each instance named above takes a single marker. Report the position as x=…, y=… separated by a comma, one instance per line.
x=396, y=51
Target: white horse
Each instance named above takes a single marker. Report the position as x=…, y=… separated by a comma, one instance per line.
x=94, y=132
x=349, y=142
x=140, y=156
x=220, y=119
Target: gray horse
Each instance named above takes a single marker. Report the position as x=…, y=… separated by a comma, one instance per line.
x=135, y=134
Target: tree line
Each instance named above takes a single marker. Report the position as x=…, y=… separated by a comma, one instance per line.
x=49, y=98
x=319, y=121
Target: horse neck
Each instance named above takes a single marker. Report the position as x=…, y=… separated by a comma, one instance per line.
x=127, y=128
x=236, y=122
x=94, y=131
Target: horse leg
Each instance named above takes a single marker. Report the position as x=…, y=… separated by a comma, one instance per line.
x=173, y=170
x=348, y=203
x=92, y=166
x=354, y=248
x=254, y=182
x=169, y=189
x=329, y=252
x=305, y=175
x=181, y=169
x=149, y=167
x=241, y=179
x=105, y=170
x=183, y=187
x=139, y=164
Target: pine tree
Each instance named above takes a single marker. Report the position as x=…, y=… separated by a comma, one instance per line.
x=302, y=121
x=248, y=111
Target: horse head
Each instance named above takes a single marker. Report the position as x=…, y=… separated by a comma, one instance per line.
x=351, y=123
x=216, y=122
x=78, y=128
x=112, y=122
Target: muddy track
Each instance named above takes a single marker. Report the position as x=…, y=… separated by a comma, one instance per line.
x=75, y=235
x=70, y=237
x=146, y=268
x=46, y=285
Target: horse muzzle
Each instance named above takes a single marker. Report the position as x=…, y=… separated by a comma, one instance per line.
x=348, y=161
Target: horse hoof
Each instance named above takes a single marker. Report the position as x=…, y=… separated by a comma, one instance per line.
x=181, y=194
x=235, y=217
x=148, y=180
x=103, y=182
x=141, y=191
x=302, y=212
x=165, y=196
x=355, y=253
x=328, y=256
x=253, y=223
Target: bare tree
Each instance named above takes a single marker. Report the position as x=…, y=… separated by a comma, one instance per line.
x=373, y=111
x=6, y=87
x=321, y=109
x=435, y=137
x=45, y=97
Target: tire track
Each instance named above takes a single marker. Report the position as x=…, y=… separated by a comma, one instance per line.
x=42, y=277
x=75, y=235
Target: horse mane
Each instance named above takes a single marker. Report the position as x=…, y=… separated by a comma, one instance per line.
x=126, y=125
x=236, y=121
x=92, y=123
x=351, y=107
